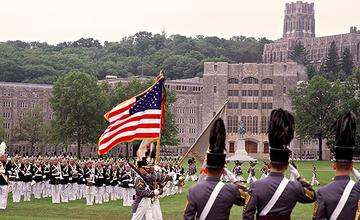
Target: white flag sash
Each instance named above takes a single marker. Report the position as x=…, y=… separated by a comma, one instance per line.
x=343, y=199
x=275, y=197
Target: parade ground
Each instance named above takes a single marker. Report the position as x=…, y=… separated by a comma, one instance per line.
x=172, y=206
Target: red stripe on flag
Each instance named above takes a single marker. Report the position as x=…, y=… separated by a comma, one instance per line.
x=137, y=118
x=129, y=139
x=119, y=111
x=130, y=128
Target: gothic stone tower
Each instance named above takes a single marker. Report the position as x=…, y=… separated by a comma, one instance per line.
x=299, y=21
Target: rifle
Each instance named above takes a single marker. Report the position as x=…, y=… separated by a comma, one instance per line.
x=141, y=176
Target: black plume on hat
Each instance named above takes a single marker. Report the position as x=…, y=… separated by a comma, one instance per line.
x=215, y=157
x=281, y=132
x=345, y=137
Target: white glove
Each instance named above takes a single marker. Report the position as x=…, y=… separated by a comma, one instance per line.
x=171, y=174
x=356, y=173
x=156, y=192
x=230, y=175
x=294, y=171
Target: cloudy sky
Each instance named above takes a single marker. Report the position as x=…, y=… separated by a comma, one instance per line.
x=67, y=20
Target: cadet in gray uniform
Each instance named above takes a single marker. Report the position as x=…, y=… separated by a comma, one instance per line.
x=210, y=198
x=141, y=206
x=329, y=204
x=274, y=197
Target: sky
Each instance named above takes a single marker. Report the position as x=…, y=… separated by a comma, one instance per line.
x=56, y=21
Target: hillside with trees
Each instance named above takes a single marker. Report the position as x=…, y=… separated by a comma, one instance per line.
x=141, y=54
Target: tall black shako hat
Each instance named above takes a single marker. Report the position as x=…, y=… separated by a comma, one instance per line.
x=141, y=163
x=215, y=157
x=345, y=137
x=281, y=132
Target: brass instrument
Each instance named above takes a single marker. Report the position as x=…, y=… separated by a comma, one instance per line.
x=181, y=181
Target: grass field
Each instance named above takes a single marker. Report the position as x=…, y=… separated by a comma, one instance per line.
x=172, y=207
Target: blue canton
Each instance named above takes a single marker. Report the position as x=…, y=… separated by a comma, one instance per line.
x=150, y=100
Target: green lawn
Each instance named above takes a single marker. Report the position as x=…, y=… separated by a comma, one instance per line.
x=172, y=207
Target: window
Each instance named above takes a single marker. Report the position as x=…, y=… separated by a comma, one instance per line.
x=250, y=80
x=191, y=140
x=233, y=81
x=249, y=124
x=232, y=124
x=192, y=120
x=250, y=93
x=192, y=130
x=6, y=125
x=180, y=110
x=7, y=104
x=180, y=120
x=243, y=105
x=6, y=114
x=266, y=105
x=181, y=130
x=192, y=111
x=215, y=67
x=233, y=105
x=284, y=89
x=23, y=105
x=267, y=81
x=256, y=105
x=267, y=93
x=233, y=92
x=255, y=124
x=243, y=92
x=250, y=105
x=255, y=93
x=231, y=147
x=264, y=124
x=214, y=89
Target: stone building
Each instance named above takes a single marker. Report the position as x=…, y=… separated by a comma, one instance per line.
x=253, y=90
x=299, y=25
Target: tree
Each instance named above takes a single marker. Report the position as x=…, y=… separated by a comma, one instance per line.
x=169, y=135
x=79, y=107
x=347, y=63
x=315, y=105
x=331, y=65
x=30, y=128
x=311, y=71
x=299, y=54
x=350, y=99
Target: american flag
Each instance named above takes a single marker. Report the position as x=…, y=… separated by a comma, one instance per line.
x=138, y=118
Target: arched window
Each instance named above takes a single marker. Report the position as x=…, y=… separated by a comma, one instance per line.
x=250, y=80
x=232, y=124
x=233, y=81
x=267, y=81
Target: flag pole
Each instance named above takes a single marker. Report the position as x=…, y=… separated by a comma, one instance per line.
x=189, y=151
x=163, y=109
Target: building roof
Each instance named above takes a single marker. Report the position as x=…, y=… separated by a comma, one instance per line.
x=28, y=85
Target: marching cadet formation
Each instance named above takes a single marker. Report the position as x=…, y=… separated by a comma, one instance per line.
x=272, y=197
x=66, y=179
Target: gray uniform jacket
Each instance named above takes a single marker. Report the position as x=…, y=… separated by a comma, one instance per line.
x=200, y=193
x=329, y=196
x=261, y=192
x=142, y=191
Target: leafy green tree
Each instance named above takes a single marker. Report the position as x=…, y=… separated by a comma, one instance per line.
x=347, y=63
x=30, y=128
x=169, y=135
x=315, y=105
x=299, y=54
x=79, y=106
x=331, y=65
x=350, y=99
x=311, y=71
